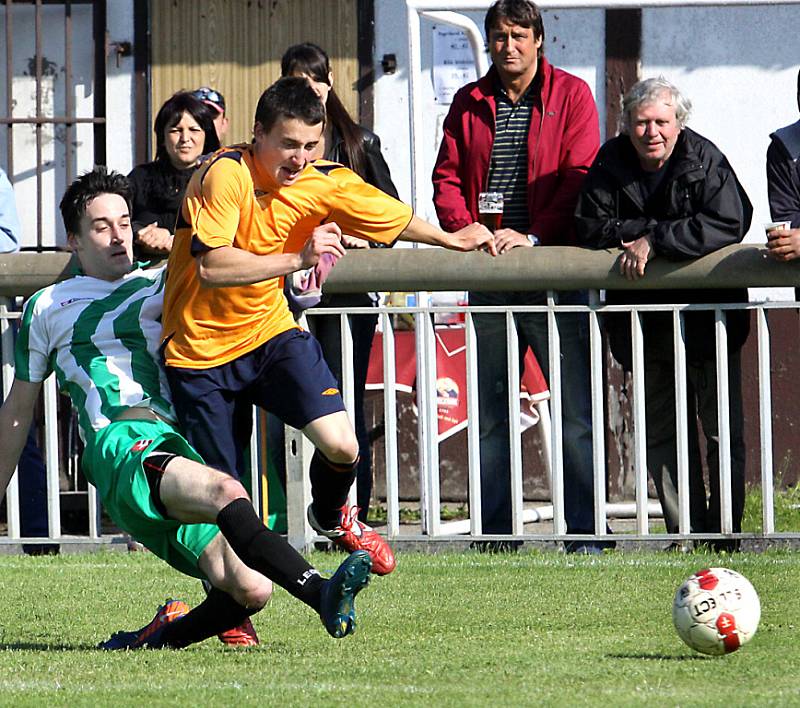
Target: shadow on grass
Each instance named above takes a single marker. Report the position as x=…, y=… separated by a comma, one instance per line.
x=662, y=657
x=42, y=646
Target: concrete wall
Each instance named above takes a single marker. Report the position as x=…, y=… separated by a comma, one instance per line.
x=738, y=66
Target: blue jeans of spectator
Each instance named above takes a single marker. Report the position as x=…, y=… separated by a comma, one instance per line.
x=493, y=404
x=32, y=477
x=32, y=489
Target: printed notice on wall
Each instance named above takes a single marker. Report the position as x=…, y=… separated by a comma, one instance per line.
x=453, y=62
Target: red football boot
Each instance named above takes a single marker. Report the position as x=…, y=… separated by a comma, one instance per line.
x=354, y=535
x=242, y=636
x=148, y=636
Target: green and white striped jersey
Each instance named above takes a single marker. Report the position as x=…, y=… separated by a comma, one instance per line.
x=101, y=338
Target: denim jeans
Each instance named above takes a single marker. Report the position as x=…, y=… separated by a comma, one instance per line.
x=493, y=404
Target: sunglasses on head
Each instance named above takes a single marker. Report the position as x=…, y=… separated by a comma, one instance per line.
x=210, y=95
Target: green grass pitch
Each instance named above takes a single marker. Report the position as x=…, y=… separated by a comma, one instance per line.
x=452, y=629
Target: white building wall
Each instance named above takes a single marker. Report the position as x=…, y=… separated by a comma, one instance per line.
x=574, y=42
x=738, y=65
x=120, y=147
x=742, y=84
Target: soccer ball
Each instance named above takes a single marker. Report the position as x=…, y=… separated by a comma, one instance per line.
x=716, y=611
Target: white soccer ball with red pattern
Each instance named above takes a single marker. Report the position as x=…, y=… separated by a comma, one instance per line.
x=716, y=611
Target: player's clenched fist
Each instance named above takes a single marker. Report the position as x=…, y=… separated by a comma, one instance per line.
x=326, y=238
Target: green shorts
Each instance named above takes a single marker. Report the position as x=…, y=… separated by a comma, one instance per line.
x=112, y=461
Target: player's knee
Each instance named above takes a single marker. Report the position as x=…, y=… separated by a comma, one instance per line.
x=255, y=595
x=227, y=489
x=342, y=450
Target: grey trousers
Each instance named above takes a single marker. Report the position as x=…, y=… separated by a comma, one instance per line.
x=662, y=465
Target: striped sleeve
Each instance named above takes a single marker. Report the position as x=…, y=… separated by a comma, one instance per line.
x=32, y=353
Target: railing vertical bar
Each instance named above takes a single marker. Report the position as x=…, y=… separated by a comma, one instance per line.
x=681, y=413
x=348, y=382
x=557, y=447
x=765, y=421
x=38, y=128
x=514, y=428
x=93, y=506
x=255, y=461
x=7, y=339
x=69, y=95
x=390, y=421
x=473, y=428
x=298, y=491
x=598, y=424
x=428, y=423
x=639, y=423
x=51, y=456
x=9, y=89
x=723, y=425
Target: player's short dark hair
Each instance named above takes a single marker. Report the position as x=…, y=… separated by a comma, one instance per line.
x=516, y=12
x=289, y=97
x=88, y=186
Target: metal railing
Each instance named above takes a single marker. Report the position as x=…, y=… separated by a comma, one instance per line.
x=550, y=268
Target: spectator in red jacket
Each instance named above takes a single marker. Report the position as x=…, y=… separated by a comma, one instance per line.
x=530, y=131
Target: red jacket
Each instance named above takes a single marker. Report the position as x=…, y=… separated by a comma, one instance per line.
x=562, y=143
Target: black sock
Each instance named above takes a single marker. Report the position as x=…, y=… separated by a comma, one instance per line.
x=269, y=553
x=217, y=613
x=330, y=485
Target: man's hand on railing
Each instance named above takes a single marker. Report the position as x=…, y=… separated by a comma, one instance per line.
x=783, y=244
x=470, y=238
x=506, y=239
x=634, y=257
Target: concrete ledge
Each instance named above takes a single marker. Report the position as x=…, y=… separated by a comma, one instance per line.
x=553, y=267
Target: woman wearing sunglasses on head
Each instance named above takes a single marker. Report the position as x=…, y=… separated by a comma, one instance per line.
x=184, y=129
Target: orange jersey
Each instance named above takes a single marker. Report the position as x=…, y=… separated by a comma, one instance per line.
x=229, y=203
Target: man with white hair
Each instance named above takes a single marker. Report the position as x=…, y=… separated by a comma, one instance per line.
x=661, y=190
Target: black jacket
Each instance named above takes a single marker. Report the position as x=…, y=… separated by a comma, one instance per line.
x=783, y=174
x=701, y=207
x=376, y=171
x=158, y=190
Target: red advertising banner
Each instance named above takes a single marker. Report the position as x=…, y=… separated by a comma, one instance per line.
x=451, y=375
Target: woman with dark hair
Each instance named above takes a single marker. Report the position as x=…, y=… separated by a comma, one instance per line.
x=185, y=131
x=349, y=144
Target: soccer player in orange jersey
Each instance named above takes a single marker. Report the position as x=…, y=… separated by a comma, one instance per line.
x=229, y=338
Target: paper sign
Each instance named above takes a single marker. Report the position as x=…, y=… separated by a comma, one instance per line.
x=453, y=62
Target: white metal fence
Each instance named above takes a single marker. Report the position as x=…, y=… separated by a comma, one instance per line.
x=545, y=521
x=539, y=520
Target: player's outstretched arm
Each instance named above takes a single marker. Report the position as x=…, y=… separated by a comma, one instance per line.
x=15, y=422
x=469, y=238
x=230, y=266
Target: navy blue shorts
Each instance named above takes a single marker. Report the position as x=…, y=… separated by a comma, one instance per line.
x=286, y=376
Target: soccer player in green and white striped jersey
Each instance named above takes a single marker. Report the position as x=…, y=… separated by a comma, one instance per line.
x=99, y=332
